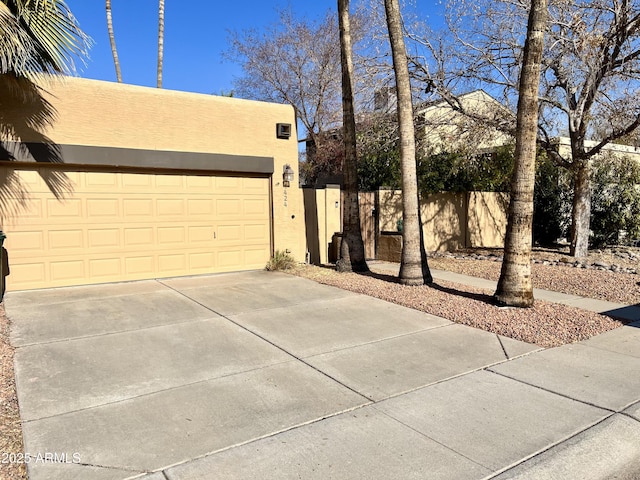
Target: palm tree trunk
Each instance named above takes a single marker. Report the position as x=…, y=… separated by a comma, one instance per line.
x=514, y=286
x=160, y=41
x=414, y=269
x=112, y=40
x=352, y=256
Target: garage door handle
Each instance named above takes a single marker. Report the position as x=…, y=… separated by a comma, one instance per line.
x=214, y=235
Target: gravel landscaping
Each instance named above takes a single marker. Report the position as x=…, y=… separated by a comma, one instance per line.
x=10, y=428
x=546, y=324
x=605, y=274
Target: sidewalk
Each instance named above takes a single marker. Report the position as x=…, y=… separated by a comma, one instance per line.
x=265, y=375
x=619, y=311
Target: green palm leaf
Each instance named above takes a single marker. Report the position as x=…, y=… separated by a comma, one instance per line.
x=50, y=37
x=17, y=49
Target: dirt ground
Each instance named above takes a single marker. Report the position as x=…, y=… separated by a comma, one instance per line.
x=10, y=428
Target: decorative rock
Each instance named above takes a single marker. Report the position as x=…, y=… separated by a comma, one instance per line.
x=554, y=262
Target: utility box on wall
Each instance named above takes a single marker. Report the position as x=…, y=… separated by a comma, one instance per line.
x=283, y=130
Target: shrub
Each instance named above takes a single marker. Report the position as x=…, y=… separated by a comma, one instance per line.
x=615, y=201
x=551, y=202
x=280, y=261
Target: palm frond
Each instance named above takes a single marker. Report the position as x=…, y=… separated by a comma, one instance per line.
x=17, y=48
x=54, y=33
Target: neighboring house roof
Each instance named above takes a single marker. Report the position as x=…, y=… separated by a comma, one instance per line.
x=447, y=129
x=618, y=149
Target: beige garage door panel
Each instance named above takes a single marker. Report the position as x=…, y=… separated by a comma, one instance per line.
x=117, y=226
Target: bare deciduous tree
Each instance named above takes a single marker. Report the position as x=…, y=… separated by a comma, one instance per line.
x=294, y=61
x=591, y=85
x=589, y=82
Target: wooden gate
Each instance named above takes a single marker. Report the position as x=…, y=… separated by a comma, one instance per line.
x=368, y=220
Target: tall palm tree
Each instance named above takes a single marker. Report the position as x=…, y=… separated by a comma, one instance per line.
x=160, y=41
x=514, y=286
x=352, y=256
x=414, y=269
x=112, y=41
x=37, y=39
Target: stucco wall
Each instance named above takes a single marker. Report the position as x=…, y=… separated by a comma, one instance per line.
x=105, y=114
x=322, y=211
x=487, y=219
x=452, y=220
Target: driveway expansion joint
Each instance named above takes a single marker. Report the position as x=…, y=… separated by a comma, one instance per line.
x=157, y=392
x=488, y=369
x=422, y=434
x=374, y=342
x=116, y=332
x=262, y=437
x=275, y=345
x=547, y=448
x=504, y=350
x=135, y=471
x=628, y=415
x=608, y=350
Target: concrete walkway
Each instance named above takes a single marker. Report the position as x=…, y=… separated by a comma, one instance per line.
x=626, y=313
x=265, y=375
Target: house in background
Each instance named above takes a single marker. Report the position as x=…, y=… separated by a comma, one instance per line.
x=444, y=129
x=153, y=183
x=451, y=221
x=563, y=145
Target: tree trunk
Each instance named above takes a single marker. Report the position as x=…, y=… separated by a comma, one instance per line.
x=160, y=41
x=414, y=269
x=112, y=40
x=514, y=286
x=581, y=210
x=352, y=256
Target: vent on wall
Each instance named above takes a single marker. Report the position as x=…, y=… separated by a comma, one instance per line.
x=283, y=130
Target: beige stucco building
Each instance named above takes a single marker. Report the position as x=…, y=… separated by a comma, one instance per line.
x=154, y=183
x=444, y=129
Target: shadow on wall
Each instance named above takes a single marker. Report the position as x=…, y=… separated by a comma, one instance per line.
x=487, y=219
x=444, y=221
x=390, y=210
x=311, y=225
x=24, y=115
x=452, y=221
x=322, y=211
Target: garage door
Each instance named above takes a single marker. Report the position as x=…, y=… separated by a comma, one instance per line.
x=132, y=226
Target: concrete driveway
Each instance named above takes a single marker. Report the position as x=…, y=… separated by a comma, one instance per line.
x=265, y=375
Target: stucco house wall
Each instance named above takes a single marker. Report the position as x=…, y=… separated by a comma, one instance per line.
x=169, y=130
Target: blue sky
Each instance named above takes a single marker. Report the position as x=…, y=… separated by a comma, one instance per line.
x=195, y=38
